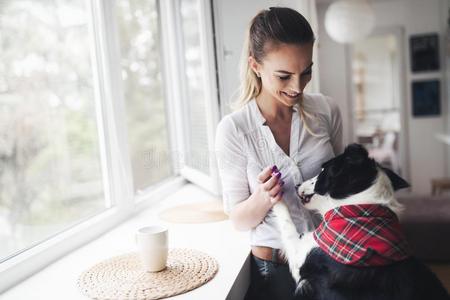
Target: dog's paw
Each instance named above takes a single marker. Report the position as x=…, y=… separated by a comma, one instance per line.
x=281, y=210
x=303, y=287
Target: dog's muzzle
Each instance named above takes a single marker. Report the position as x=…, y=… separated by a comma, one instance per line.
x=306, y=198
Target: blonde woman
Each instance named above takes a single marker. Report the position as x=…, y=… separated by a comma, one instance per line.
x=276, y=138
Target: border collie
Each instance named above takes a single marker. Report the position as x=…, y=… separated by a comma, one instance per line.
x=359, y=250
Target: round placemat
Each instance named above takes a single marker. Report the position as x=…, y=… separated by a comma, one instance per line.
x=204, y=212
x=122, y=277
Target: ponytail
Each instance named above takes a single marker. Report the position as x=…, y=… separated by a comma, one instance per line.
x=277, y=25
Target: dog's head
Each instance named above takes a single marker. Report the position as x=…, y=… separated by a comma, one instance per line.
x=351, y=178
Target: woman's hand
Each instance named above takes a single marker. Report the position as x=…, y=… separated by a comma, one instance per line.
x=251, y=212
x=270, y=188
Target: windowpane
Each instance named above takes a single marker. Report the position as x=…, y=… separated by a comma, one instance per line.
x=141, y=62
x=50, y=172
x=194, y=73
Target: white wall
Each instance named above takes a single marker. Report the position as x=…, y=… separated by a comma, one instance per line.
x=427, y=155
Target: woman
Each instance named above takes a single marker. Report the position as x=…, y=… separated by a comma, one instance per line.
x=277, y=138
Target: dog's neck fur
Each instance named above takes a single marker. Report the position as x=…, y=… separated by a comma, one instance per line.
x=380, y=192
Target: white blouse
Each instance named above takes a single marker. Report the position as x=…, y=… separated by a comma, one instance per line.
x=245, y=146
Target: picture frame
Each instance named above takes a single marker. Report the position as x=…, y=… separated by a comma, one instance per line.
x=426, y=98
x=424, y=52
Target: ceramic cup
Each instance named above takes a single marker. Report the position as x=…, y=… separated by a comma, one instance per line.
x=152, y=243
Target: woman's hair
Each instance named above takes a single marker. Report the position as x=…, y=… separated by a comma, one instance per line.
x=269, y=28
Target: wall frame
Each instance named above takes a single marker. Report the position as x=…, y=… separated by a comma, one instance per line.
x=424, y=52
x=426, y=100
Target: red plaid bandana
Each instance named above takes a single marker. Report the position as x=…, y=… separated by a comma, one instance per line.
x=362, y=235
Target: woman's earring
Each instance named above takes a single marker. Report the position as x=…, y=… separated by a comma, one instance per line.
x=258, y=75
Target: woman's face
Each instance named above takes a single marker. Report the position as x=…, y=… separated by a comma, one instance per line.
x=285, y=71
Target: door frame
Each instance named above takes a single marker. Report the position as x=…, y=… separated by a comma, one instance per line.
x=399, y=33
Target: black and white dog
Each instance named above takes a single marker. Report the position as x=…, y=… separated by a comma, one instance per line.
x=358, y=251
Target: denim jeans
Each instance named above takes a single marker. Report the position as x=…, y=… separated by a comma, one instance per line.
x=270, y=280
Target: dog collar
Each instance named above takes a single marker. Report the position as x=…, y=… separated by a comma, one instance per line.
x=362, y=235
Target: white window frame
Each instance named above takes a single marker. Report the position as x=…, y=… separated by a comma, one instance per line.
x=176, y=91
x=115, y=159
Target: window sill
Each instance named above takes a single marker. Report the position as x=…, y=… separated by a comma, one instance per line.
x=218, y=239
x=25, y=264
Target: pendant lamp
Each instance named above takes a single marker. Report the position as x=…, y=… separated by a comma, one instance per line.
x=347, y=21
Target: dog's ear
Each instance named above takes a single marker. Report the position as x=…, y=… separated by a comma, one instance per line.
x=356, y=149
x=397, y=181
x=355, y=154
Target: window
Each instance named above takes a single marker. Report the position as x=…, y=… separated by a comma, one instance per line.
x=138, y=25
x=88, y=122
x=197, y=153
x=50, y=170
x=199, y=91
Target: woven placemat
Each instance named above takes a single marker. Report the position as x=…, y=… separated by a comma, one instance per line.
x=122, y=277
x=193, y=213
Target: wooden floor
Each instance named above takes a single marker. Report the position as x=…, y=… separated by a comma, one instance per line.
x=443, y=272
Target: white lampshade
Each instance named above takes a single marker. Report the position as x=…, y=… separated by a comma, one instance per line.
x=347, y=21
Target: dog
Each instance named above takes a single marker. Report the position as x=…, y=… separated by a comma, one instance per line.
x=359, y=250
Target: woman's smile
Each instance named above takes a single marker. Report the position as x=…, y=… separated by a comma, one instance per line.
x=291, y=95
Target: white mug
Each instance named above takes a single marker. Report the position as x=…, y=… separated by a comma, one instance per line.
x=152, y=243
